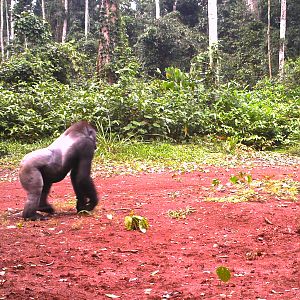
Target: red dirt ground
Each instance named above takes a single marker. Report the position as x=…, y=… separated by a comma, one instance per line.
x=95, y=257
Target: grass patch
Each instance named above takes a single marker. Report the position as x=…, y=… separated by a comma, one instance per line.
x=260, y=190
x=118, y=156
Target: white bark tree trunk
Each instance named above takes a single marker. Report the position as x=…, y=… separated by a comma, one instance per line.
x=282, y=38
x=12, y=22
x=157, y=9
x=212, y=26
x=86, y=19
x=269, y=39
x=43, y=10
x=65, y=24
x=175, y=5
x=7, y=28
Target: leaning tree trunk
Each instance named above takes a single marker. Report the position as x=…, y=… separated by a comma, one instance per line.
x=107, y=39
x=282, y=38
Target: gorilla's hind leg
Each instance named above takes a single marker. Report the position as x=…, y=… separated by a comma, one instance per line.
x=32, y=182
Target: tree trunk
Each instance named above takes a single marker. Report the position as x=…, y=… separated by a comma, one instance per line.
x=43, y=11
x=253, y=7
x=2, y=28
x=175, y=5
x=269, y=39
x=282, y=38
x=65, y=24
x=157, y=9
x=7, y=28
x=12, y=22
x=86, y=19
x=107, y=39
x=213, y=36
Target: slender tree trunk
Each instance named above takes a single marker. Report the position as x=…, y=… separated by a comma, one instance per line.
x=86, y=19
x=12, y=21
x=108, y=17
x=7, y=28
x=65, y=23
x=282, y=38
x=213, y=36
x=2, y=29
x=269, y=39
x=43, y=11
x=175, y=5
x=157, y=9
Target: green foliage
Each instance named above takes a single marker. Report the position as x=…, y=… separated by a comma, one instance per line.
x=30, y=29
x=292, y=73
x=168, y=43
x=242, y=38
x=178, y=108
x=61, y=62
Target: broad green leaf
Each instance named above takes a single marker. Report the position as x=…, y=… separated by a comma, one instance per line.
x=234, y=179
x=223, y=273
x=136, y=223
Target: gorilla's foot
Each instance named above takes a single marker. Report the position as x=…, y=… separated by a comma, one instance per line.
x=47, y=209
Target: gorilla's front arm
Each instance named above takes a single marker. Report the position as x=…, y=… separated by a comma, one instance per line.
x=73, y=150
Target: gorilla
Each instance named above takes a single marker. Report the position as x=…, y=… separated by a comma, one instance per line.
x=72, y=151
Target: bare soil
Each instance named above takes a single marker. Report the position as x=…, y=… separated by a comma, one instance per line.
x=70, y=256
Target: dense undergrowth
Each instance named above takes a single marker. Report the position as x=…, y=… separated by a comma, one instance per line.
x=175, y=109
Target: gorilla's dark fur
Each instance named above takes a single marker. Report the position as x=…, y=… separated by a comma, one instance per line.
x=73, y=150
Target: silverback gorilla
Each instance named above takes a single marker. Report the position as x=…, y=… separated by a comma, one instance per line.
x=73, y=150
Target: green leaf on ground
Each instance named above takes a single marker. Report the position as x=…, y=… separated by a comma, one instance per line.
x=133, y=222
x=223, y=274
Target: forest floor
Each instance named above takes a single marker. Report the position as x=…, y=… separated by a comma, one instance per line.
x=246, y=218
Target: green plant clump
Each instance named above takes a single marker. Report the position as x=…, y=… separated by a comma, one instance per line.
x=178, y=108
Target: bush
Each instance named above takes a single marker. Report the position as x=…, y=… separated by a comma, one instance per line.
x=56, y=61
x=178, y=108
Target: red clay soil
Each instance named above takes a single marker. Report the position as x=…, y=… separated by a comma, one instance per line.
x=95, y=257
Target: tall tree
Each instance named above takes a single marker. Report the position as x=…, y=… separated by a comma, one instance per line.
x=7, y=27
x=86, y=19
x=157, y=9
x=269, y=39
x=2, y=28
x=65, y=23
x=107, y=39
x=43, y=10
x=12, y=21
x=213, y=34
x=282, y=38
x=175, y=5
